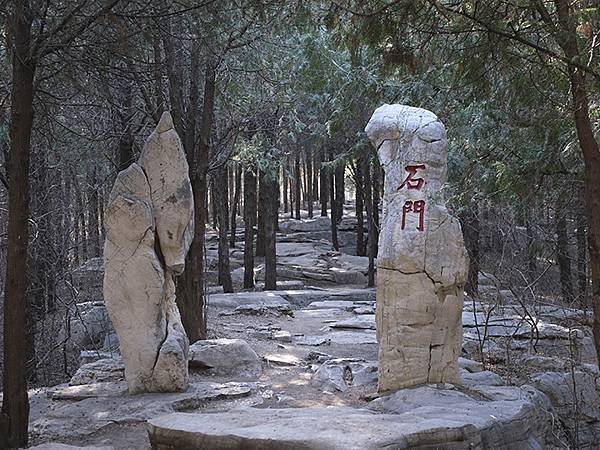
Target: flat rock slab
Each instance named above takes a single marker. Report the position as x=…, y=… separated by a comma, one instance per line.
x=94, y=390
x=303, y=298
x=77, y=411
x=108, y=369
x=361, y=322
x=425, y=417
x=260, y=299
x=59, y=446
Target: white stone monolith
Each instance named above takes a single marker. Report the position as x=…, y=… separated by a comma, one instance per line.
x=149, y=222
x=422, y=262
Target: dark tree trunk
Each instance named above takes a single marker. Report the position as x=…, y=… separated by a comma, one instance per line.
x=235, y=204
x=222, y=191
x=175, y=77
x=14, y=417
x=324, y=181
x=531, y=252
x=297, y=185
x=260, y=235
x=582, y=281
x=189, y=140
x=371, y=225
x=315, y=176
x=304, y=178
x=309, y=186
x=292, y=200
x=271, y=215
x=470, y=227
x=81, y=239
x=334, y=219
x=190, y=286
x=158, y=78
x=249, y=222
x=284, y=184
x=213, y=204
x=94, y=231
x=126, y=139
x=339, y=191
x=359, y=184
x=591, y=153
x=562, y=256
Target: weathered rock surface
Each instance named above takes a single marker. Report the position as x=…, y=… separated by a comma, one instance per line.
x=59, y=446
x=259, y=299
x=108, y=369
x=78, y=411
x=342, y=373
x=422, y=263
x=576, y=397
x=165, y=165
x=225, y=357
x=150, y=204
x=88, y=325
x=361, y=322
x=424, y=417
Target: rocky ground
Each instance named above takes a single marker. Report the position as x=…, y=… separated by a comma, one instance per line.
x=297, y=368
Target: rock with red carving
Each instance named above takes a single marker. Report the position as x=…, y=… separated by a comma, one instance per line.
x=422, y=262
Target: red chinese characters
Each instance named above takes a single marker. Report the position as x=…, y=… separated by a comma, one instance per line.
x=416, y=206
x=409, y=181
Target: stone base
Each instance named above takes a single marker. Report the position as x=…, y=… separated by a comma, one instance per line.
x=420, y=335
x=419, y=418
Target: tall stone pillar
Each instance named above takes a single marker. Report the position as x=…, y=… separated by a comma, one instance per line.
x=422, y=262
x=149, y=225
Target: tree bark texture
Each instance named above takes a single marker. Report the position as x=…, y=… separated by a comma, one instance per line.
x=249, y=222
x=14, y=416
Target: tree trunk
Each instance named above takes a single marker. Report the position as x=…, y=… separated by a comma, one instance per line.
x=324, y=181
x=80, y=217
x=359, y=185
x=222, y=191
x=213, y=204
x=591, y=155
x=339, y=191
x=562, y=255
x=235, y=204
x=126, y=138
x=469, y=221
x=297, y=184
x=249, y=222
x=260, y=232
x=582, y=282
x=334, y=219
x=292, y=200
x=315, y=176
x=271, y=215
x=190, y=286
x=371, y=226
x=531, y=252
x=309, y=186
x=14, y=417
x=284, y=184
